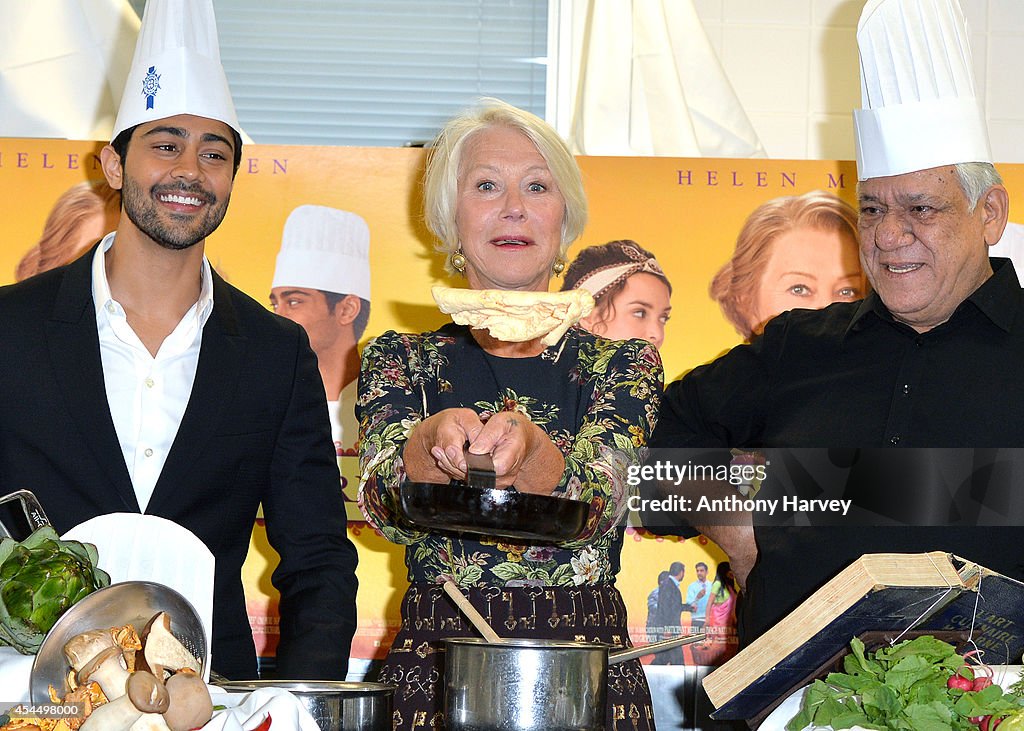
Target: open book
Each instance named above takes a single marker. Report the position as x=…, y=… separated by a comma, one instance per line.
x=891, y=592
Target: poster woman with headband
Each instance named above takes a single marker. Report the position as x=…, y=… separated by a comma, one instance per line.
x=631, y=292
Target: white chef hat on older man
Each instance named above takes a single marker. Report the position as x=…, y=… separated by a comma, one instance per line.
x=917, y=89
x=327, y=249
x=176, y=68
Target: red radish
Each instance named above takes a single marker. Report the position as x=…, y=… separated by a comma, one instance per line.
x=959, y=682
x=981, y=682
x=987, y=724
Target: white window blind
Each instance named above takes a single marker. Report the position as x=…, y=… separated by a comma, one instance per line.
x=379, y=73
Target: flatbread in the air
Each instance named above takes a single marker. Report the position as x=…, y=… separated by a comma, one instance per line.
x=514, y=316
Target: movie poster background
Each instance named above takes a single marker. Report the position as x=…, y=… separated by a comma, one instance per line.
x=687, y=211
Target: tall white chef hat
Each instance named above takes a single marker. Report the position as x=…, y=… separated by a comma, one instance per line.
x=917, y=89
x=327, y=249
x=176, y=68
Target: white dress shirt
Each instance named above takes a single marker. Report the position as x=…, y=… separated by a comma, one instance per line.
x=147, y=395
x=344, y=426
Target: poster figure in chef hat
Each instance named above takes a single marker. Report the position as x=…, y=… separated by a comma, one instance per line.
x=322, y=282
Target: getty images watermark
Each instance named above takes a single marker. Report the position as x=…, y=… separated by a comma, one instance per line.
x=771, y=486
x=745, y=472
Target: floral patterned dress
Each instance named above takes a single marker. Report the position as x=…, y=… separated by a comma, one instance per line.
x=598, y=400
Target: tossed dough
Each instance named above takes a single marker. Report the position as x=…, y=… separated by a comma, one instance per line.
x=514, y=316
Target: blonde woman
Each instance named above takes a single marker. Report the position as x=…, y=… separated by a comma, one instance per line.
x=504, y=196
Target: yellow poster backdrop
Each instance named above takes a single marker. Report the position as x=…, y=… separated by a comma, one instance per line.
x=687, y=211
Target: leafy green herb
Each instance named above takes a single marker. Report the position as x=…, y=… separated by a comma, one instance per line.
x=904, y=688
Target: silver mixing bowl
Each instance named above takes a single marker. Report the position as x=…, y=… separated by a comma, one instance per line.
x=128, y=602
x=335, y=705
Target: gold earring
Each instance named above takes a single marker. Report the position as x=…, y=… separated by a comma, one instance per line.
x=559, y=266
x=457, y=260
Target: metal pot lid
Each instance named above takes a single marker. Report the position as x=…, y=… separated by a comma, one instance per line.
x=528, y=643
x=320, y=687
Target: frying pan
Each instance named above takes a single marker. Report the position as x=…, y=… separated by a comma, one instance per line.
x=35, y=516
x=476, y=506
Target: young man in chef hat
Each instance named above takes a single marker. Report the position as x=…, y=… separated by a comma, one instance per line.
x=930, y=359
x=322, y=282
x=162, y=389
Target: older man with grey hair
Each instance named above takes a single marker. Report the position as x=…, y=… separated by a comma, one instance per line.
x=931, y=358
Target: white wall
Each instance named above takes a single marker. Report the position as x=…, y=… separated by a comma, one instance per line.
x=793, y=64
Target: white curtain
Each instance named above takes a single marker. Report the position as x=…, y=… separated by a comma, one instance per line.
x=650, y=83
x=63, y=65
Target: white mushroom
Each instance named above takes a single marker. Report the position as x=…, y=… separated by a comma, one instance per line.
x=144, y=694
x=190, y=706
x=161, y=650
x=149, y=722
x=82, y=648
x=107, y=669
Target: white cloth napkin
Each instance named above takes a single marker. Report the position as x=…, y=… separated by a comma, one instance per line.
x=136, y=547
x=286, y=711
x=15, y=671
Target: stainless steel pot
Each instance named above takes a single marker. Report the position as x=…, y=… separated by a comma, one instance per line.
x=531, y=685
x=335, y=705
x=524, y=685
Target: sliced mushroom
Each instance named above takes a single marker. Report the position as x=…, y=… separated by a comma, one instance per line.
x=107, y=669
x=144, y=694
x=191, y=706
x=161, y=650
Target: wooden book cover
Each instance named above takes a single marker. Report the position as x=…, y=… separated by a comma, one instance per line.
x=879, y=591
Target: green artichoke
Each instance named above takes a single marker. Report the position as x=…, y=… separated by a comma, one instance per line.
x=40, y=578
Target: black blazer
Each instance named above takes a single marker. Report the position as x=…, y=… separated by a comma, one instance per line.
x=255, y=431
x=670, y=606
